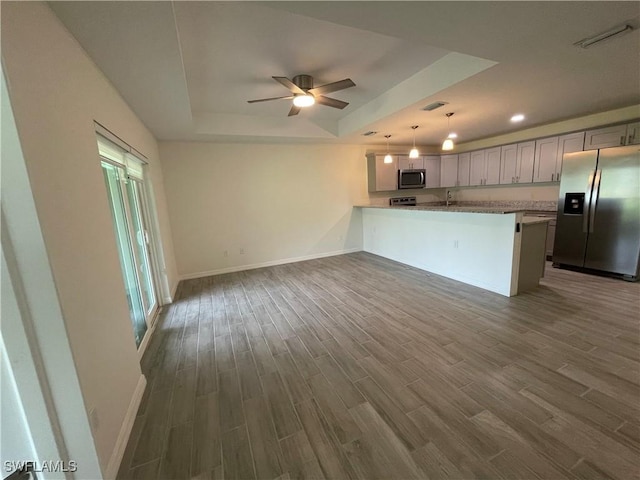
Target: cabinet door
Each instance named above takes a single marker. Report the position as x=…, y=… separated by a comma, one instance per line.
x=464, y=163
x=432, y=171
x=633, y=133
x=508, y=161
x=492, y=159
x=406, y=163
x=605, y=137
x=448, y=170
x=545, y=160
x=572, y=142
x=386, y=174
x=477, y=168
x=524, y=163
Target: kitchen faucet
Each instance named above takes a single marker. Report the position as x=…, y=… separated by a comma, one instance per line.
x=449, y=196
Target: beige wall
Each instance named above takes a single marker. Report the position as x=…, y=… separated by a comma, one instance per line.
x=56, y=93
x=276, y=202
x=587, y=122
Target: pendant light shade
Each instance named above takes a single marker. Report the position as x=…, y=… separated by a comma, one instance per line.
x=448, y=143
x=388, y=158
x=414, y=153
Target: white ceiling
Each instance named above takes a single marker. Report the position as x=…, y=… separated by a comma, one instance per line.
x=188, y=68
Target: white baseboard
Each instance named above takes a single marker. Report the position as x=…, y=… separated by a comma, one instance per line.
x=125, y=430
x=168, y=300
x=271, y=263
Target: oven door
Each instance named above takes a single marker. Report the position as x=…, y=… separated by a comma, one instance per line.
x=411, y=178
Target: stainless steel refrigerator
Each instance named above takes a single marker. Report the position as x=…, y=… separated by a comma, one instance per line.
x=598, y=224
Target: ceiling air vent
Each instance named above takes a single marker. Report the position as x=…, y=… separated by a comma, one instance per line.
x=434, y=105
x=369, y=133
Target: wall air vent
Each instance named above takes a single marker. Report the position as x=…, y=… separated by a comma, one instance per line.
x=434, y=105
x=369, y=133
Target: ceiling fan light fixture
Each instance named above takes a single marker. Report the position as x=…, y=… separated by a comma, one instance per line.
x=414, y=153
x=305, y=100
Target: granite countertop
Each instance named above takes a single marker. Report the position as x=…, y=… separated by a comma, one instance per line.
x=451, y=208
x=494, y=207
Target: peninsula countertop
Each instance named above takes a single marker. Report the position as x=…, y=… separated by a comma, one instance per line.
x=450, y=208
x=491, y=207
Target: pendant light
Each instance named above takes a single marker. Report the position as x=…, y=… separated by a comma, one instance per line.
x=414, y=153
x=448, y=143
x=388, y=158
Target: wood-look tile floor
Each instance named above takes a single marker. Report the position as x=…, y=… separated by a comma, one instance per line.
x=359, y=367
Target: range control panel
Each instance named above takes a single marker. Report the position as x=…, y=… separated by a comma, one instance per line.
x=402, y=201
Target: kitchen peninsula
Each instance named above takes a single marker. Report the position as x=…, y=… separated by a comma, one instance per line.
x=495, y=248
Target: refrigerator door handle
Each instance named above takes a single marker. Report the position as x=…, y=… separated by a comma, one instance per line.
x=594, y=199
x=587, y=203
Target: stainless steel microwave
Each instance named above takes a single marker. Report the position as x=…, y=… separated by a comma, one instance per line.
x=411, y=178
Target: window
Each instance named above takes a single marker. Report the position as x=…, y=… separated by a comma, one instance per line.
x=123, y=175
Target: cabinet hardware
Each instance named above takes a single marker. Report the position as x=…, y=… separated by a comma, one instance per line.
x=622, y=140
x=513, y=179
x=552, y=176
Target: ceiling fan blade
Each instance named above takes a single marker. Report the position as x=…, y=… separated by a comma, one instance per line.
x=289, y=84
x=289, y=97
x=332, y=87
x=331, y=102
x=294, y=111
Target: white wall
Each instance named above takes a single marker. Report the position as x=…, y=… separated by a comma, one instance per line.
x=276, y=202
x=478, y=249
x=36, y=353
x=56, y=94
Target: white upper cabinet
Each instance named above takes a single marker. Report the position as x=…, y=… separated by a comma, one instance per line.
x=516, y=162
x=485, y=167
x=572, y=142
x=492, y=159
x=432, y=171
x=606, y=137
x=478, y=168
x=508, y=161
x=406, y=163
x=524, y=162
x=633, y=133
x=383, y=177
x=448, y=170
x=546, y=158
x=549, y=153
x=464, y=163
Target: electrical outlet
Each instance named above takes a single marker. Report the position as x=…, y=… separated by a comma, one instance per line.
x=455, y=244
x=226, y=253
x=242, y=251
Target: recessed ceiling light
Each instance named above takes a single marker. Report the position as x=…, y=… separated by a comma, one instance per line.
x=517, y=118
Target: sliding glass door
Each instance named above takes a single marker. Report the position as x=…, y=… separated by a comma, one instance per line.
x=130, y=220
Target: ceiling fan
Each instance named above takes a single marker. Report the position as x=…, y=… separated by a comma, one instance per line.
x=305, y=94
